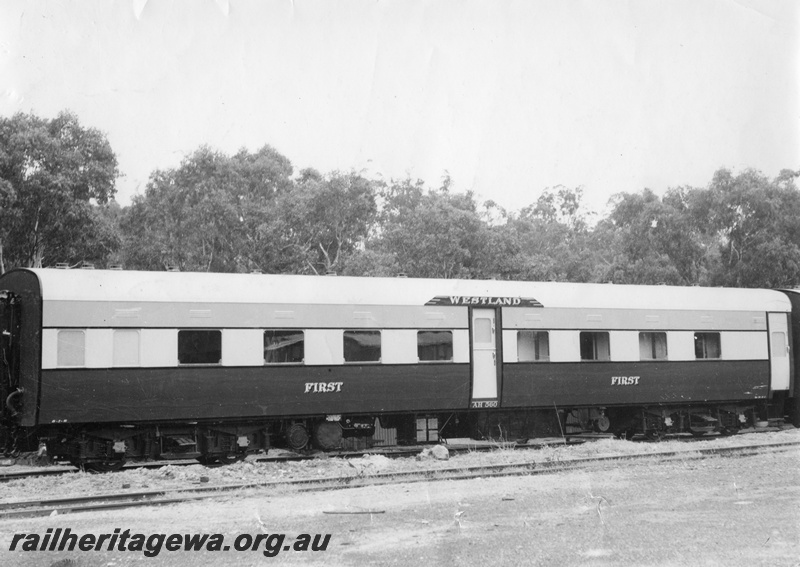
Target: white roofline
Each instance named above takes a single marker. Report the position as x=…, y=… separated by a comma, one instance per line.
x=199, y=287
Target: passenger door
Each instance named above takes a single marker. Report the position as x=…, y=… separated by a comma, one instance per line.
x=9, y=347
x=778, y=350
x=485, y=367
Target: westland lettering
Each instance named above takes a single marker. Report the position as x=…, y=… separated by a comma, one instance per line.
x=502, y=301
x=484, y=300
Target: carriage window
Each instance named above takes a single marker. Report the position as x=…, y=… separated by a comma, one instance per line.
x=533, y=346
x=282, y=347
x=71, y=348
x=652, y=346
x=126, y=348
x=482, y=331
x=362, y=346
x=706, y=345
x=199, y=347
x=595, y=346
x=435, y=345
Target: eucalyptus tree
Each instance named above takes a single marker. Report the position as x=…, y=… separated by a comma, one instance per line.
x=434, y=233
x=208, y=214
x=54, y=174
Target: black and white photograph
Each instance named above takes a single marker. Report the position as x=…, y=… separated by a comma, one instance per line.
x=400, y=283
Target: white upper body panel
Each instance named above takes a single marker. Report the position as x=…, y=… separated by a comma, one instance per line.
x=196, y=288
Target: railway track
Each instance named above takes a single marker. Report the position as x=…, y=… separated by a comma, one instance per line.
x=390, y=452
x=129, y=499
x=55, y=470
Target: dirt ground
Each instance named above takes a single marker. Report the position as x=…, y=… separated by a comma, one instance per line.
x=717, y=511
x=254, y=471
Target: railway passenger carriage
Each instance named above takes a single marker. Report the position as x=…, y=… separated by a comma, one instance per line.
x=101, y=365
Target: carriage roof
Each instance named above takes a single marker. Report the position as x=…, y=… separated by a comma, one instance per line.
x=198, y=287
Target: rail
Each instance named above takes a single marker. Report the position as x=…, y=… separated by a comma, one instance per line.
x=110, y=501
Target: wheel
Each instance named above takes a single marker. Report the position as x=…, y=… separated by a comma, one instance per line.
x=602, y=424
x=327, y=435
x=297, y=436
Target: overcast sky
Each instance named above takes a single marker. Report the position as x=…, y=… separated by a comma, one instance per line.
x=509, y=97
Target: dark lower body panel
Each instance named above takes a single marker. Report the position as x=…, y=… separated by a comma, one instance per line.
x=633, y=383
x=216, y=393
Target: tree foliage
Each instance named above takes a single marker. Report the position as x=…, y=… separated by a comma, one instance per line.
x=329, y=216
x=756, y=223
x=244, y=212
x=251, y=211
x=208, y=213
x=431, y=234
x=212, y=213
x=54, y=177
